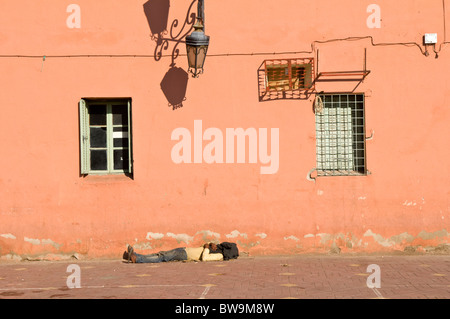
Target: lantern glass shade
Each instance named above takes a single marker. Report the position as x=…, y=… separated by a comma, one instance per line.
x=196, y=58
x=196, y=48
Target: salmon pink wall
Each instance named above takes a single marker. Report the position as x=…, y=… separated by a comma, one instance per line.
x=47, y=210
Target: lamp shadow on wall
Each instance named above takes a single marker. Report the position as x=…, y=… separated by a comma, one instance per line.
x=174, y=86
x=174, y=82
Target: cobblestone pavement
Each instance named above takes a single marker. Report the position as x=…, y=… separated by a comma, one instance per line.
x=275, y=277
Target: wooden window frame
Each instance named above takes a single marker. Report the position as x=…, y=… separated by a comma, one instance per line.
x=85, y=144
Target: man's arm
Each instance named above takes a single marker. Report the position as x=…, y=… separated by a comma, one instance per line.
x=206, y=256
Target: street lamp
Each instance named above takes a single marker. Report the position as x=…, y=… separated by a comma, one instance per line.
x=197, y=43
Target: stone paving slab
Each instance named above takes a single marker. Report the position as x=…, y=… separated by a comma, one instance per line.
x=274, y=277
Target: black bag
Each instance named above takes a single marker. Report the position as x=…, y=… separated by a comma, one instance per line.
x=228, y=250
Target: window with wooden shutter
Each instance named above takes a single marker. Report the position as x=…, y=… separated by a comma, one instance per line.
x=105, y=136
x=84, y=138
x=289, y=74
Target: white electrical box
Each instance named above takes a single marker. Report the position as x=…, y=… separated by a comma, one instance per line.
x=430, y=38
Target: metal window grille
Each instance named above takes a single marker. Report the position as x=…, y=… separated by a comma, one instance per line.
x=288, y=74
x=340, y=135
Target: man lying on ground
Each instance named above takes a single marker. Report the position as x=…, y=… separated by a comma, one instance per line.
x=209, y=252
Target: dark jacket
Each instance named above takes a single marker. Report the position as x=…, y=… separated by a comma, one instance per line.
x=228, y=250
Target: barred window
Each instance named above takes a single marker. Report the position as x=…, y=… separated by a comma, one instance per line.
x=340, y=135
x=289, y=74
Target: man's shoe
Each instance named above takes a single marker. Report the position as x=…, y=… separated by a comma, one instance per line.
x=131, y=254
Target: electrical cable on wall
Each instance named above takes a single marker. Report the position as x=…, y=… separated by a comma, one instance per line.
x=423, y=51
x=313, y=44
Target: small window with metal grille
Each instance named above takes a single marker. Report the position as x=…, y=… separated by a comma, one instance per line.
x=288, y=74
x=340, y=135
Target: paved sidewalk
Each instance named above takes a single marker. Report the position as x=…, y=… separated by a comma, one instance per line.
x=298, y=277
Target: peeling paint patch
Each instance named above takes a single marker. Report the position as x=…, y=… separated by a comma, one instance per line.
x=9, y=236
x=402, y=237
x=378, y=238
x=50, y=242
x=181, y=237
x=341, y=239
x=262, y=235
x=426, y=235
x=52, y=257
x=143, y=246
x=248, y=245
x=32, y=241
x=409, y=203
x=291, y=237
x=309, y=236
x=324, y=237
x=11, y=257
x=151, y=236
x=35, y=241
x=386, y=242
x=208, y=234
x=236, y=233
